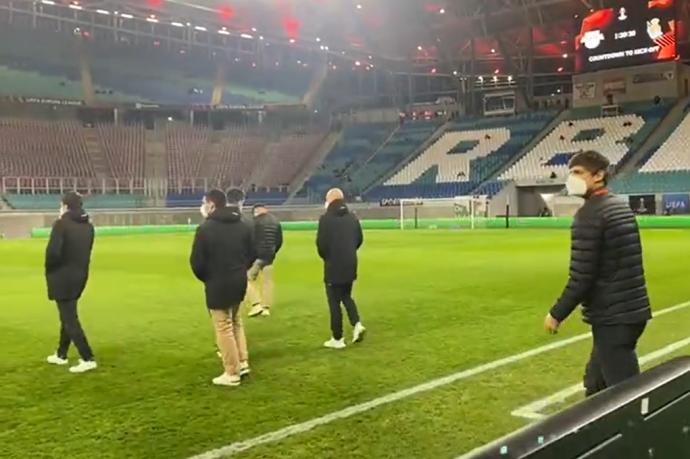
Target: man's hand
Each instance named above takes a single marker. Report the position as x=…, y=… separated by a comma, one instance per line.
x=550, y=324
x=254, y=270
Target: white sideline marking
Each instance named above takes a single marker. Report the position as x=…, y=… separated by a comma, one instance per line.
x=533, y=411
x=350, y=411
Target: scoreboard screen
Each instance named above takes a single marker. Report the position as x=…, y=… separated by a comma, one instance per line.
x=635, y=32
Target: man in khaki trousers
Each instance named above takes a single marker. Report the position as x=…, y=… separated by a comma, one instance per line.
x=268, y=237
x=223, y=251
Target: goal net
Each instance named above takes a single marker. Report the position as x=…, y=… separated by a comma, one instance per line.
x=462, y=212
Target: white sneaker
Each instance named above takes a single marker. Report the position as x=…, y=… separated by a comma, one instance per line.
x=244, y=369
x=56, y=360
x=266, y=312
x=335, y=343
x=256, y=310
x=83, y=366
x=227, y=380
x=358, y=333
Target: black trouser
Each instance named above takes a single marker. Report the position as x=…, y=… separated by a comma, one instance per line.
x=337, y=294
x=613, y=358
x=71, y=331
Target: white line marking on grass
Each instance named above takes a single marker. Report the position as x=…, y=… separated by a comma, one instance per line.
x=353, y=410
x=533, y=411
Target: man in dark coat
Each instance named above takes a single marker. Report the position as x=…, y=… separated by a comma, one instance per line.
x=268, y=235
x=606, y=276
x=222, y=253
x=338, y=239
x=68, y=256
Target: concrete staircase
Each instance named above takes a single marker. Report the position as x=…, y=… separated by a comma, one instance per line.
x=260, y=170
x=326, y=146
x=212, y=156
x=98, y=158
x=156, y=167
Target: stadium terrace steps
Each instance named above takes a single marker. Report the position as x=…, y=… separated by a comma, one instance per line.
x=102, y=167
x=329, y=143
x=356, y=143
x=664, y=129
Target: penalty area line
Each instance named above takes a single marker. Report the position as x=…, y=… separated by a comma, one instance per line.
x=306, y=426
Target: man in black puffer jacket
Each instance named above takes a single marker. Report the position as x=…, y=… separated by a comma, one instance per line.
x=222, y=253
x=338, y=239
x=268, y=236
x=606, y=275
x=68, y=257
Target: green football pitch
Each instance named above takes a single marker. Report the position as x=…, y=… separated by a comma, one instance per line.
x=436, y=303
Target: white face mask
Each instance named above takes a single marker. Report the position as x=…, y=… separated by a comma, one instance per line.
x=63, y=210
x=203, y=210
x=325, y=205
x=576, y=186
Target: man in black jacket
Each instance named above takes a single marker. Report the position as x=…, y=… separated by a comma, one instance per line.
x=606, y=275
x=268, y=236
x=68, y=256
x=338, y=239
x=222, y=253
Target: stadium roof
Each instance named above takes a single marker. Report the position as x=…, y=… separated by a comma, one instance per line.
x=427, y=33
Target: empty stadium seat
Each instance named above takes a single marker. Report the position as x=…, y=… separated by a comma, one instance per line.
x=124, y=149
x=185, y=146
x=33, y=148
x=551, y=155
x=615, y=137
x=674, y=153
x=664, y=170
x=286, y=158
x=359, y=142
x=467, y=154
x=453, y=165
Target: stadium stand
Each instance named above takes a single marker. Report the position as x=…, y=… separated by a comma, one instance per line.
x=359, y=142
x=615, y=137
x=407, y=139
x=240, y=152
x=284, y=159
x=665, y=170
x=186, y=146
x=32, y=148
x=465, y=156
x=124, y=149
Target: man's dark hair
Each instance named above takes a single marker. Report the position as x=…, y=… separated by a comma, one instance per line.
x=73, y=200
x=217, y=197
x=235, y=196
x=592, y=161
x=259, y=206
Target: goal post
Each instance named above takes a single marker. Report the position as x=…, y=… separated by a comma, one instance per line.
x=461, y=212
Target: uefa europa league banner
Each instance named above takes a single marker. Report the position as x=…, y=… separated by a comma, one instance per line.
x=676, y=204
x=643, y=204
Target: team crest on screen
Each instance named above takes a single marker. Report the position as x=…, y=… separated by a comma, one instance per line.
x=592, y=39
